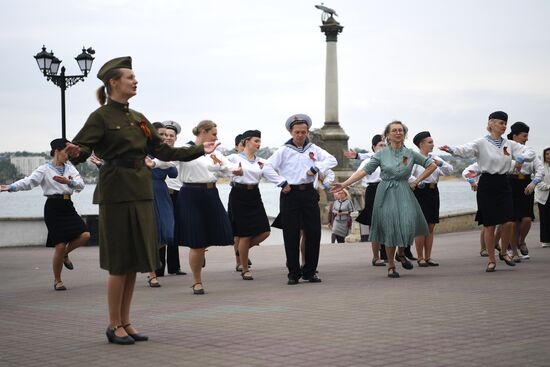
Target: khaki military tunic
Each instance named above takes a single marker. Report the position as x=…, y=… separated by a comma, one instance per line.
x=127, y=229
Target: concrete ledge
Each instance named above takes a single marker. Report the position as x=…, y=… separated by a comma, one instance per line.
x=27, y=231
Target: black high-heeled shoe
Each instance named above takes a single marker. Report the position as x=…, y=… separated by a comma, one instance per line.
x=507, y=260
x=137, y=337
x=115, y=339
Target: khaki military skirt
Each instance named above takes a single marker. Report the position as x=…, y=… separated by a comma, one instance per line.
x=128, y=237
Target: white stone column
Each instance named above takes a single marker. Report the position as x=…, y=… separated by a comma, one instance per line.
x=331, y=84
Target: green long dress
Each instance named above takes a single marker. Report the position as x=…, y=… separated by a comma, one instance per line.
x=127, y=229
x=397, y=217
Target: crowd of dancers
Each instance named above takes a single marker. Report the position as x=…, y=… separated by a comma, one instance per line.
x=154, y=197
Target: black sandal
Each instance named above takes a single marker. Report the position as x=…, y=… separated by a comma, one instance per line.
x=137, y=336
x=61, y=287
x=247, y=277
x=491, y=269
x=523, y=249
x=151, y=284
x=422, y=263
x=199, y=290
x=404, y=262
x=507, y=260
x=430, y=262
x=392, y=273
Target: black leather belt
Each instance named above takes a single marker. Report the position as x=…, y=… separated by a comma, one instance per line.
x=245, y=186
x=59, y=196
x=430, y=185
x=520, y=176
x=126, y=163
x=302, y=187
x=208, y=185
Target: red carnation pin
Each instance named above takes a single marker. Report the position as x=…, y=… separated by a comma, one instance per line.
x=311, y=156
x=261, y=165
x=405, y=160
x=215, y=159
x=505, y=151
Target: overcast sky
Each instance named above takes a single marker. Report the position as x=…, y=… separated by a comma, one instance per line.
x=437, y=65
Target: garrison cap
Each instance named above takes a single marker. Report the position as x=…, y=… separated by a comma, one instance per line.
x=376, y=139
x=120, y=62
x=252, y=134
x=499, y=115
x=58, y=144
x=173, y=125
x=298, y=118
x=420, y=136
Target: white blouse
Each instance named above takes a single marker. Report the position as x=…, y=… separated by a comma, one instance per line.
x=44, y=175
x=543, y=188
x=292, y=163
x=373, y=177
x=205, y=169
x=253, y=170
x=492, y=159
x=444, y=169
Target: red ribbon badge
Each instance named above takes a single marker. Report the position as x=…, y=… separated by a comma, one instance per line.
x=146, y=131
x=215, y=159
x=311, y=156
x=505, y=151
x=405, y=160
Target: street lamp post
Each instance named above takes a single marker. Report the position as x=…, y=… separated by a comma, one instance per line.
x=49, y=65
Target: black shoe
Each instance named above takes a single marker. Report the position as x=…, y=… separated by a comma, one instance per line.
x=507, y=260
x=137, y=337
x=404, y=262
x=68, y=264
x=312, y=279
x=113, y=338
x=178, y=272
x=392, y=273
x=409, y=254
x=197, y=290
x=292, y=280
x=249, y=262
x=523, y=249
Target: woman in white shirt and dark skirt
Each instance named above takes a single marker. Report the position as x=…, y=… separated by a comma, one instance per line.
x=66, y=230
x=371, y=182
x=201, y=220
x=247, y=215
x=522, y=192
x=427, y=195
x=494, y=197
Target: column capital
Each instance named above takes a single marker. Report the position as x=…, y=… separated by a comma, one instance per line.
x=331, y=28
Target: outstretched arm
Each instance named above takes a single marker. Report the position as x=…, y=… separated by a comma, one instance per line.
x=337, y=187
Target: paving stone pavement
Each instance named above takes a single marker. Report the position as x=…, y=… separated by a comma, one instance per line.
x=452, y=315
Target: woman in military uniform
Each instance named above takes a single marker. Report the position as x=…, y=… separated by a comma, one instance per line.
x=123, y=137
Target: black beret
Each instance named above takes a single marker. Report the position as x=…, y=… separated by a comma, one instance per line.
x=517, y=128
x=420, y=136
x=120, y=62
x=376, y=139
x=252, y=134
x=58, y=144
x=499, y=115
x=238, y=139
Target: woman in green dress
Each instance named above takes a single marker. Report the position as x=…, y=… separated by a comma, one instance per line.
x=122, y=138
x=397, y=217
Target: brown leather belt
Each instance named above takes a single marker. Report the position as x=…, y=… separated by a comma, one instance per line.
x=207, y=185
x=126, y=163
x=245, y=186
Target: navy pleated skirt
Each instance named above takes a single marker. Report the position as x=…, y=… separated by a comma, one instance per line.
x=523, y=204
x=63, y=222
x=247, y=213
x=428, y=198
x=201, y=219
x=494, y=200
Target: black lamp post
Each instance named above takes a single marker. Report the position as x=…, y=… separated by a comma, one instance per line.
x=49, y=65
